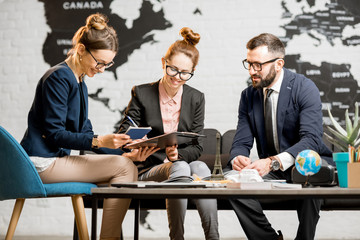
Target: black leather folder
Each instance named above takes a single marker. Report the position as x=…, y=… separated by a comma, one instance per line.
x=166, y=140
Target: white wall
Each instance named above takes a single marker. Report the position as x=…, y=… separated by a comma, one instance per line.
x=225, y=26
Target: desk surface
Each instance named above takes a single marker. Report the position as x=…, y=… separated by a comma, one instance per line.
x=218, y=193
x=224, y=193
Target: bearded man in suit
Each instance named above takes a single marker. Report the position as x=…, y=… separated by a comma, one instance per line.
x=291, y=124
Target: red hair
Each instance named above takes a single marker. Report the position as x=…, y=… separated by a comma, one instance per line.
x=185, y=46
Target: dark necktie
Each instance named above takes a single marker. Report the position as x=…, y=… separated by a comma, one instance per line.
x=269, y=123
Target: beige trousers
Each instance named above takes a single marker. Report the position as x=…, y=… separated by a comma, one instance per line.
x=98, y=169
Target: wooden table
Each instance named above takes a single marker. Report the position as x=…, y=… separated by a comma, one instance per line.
x=219, y=193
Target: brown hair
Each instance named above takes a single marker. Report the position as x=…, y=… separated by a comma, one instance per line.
x=96, y=34
x=186, y=46
x=273, y=43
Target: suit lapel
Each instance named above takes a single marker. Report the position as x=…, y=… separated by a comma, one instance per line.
x=83, y=106
x=184, y=110
x=155, y=110
x=283, y=102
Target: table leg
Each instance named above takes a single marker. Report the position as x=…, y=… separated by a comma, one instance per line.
x=94, y=207
x=137, y=218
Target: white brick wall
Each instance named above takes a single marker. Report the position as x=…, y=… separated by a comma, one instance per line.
x=225, y=26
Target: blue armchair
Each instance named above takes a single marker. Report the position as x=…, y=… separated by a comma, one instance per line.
x=19, y=180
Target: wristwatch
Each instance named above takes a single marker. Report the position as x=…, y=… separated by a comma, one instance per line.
x=275, y=164
x=95, y=142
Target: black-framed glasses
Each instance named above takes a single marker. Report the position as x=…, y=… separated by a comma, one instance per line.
x=172, y=72
x=100, y=65
x=256, y=66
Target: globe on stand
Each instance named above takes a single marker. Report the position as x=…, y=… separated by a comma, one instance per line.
x=307, y=163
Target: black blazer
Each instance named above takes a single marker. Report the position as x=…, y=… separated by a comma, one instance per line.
x=299, y=119
x=144, y=109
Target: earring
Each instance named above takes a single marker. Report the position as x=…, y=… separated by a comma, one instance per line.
x=80, y=58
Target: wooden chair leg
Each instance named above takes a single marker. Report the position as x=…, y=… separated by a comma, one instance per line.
x=15, y=218
x=79, y=211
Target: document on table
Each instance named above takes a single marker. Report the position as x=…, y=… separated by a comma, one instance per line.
x=263, y=185
x=151, y=184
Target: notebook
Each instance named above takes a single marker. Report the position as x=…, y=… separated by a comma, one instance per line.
x=137, y=132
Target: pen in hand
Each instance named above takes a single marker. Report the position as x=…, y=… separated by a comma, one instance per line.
x=132, y=121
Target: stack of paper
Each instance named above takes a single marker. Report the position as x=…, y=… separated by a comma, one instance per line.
x=263, y=185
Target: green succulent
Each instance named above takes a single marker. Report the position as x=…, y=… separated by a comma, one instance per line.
x=342, y=138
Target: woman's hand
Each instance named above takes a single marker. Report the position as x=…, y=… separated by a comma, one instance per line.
x=172, y=153
x=140, y=154
x=113, y=141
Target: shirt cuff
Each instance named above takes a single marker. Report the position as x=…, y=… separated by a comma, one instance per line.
x=287, y=160
x=232, y=162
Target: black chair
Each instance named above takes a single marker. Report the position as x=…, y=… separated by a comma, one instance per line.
x=209, y=147
x=226, y=143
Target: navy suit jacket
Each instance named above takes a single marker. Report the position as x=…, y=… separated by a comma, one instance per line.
x=299, y=119
x=144, y=109
x=58, y=118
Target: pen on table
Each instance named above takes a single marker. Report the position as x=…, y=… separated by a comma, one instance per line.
x=132, y=121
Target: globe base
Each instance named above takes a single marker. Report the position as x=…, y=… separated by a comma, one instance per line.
x=307, y=184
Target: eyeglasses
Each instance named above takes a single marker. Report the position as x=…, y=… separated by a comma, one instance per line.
x=100, y=65
x=256, y=66
x=172, y=72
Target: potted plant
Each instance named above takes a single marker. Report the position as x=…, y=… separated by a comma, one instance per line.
x=346, y=140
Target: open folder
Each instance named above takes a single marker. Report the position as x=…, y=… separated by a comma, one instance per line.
x=166, y=140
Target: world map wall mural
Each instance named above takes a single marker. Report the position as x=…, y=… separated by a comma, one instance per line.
x=70, y=16
x=338, y=88
x=328, y=25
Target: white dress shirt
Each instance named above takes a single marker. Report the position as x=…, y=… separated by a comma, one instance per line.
x=287, y=160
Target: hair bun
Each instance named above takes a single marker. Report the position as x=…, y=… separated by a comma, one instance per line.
x=97, y=21
x=189, y=36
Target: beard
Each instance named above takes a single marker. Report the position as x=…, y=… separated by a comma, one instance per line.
x=264, y=82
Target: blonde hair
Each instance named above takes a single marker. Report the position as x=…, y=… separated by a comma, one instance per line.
x=185, y=46
x=96, y=34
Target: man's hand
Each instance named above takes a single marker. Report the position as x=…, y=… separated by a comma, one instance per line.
x=261, y=165
x=113, y=141
x=241, y=162
x=172, y=153
x=140, y=154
